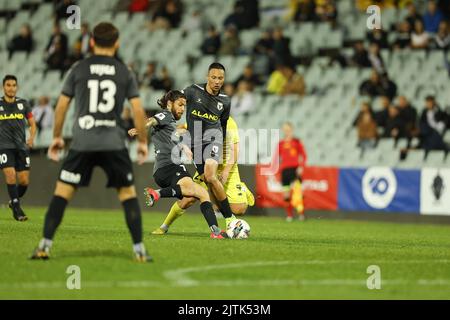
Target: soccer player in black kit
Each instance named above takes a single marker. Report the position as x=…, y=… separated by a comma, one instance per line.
x=207, y=113
x=15, y=113
x=169, y=172
x=99, y=84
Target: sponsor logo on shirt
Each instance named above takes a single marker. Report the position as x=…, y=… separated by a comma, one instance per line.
x=11, y=116
x=205, y=115
x=88, y=122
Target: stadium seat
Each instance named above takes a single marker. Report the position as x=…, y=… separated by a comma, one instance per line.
x=414, y=159
x=435, y=158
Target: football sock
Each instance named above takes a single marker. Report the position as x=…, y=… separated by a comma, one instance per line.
x=133, y=218
x=139, y=247
x=170, y=192
x=174, y=213
x=225, y=208
x=289, y=211
x=45, y=243
x=14, y=196
x=208, y=212
x=21, y=190
x=218, y=214
x=54, y=216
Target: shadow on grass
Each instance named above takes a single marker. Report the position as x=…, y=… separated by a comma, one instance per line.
x=120, y=254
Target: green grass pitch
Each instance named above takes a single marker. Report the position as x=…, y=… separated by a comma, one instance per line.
x=318, y=259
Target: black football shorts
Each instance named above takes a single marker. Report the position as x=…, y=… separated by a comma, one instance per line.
x=169, y=175
x=18, y=159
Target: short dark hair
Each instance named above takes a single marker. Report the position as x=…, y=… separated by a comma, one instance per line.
x=9, y=77
x=430, y=98
x=172, y=95
x=216, y=65
x=105, y=34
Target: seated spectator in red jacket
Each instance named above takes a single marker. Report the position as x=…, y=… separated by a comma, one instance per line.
x=138, y=6
x=22, y=42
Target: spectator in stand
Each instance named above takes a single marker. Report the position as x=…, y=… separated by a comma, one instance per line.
x=138, y=6
x=263, y=54
x=245, y=15
x=360, y=56
x=149, y=75
x=375, y=58
x=61, y=9
x=378, y=36
x=382, y=115
x=83, y=40
x=326, y=11
x=364, y=108
x=367, y=131
x=243, y=101
x=419, y=38
x=22, y=42
x=163, y=82
x=281, y=49
x=378, y=86
x=294, y=84
x=412, y=16
x=408, y=115
x=265, y=44
x=403, y=36
x=229, y=89
x=193, y=22
x=306, y=10
x=74, y=56
x=249, y=76
x=441, y=40
x=57, y=49
x=231, y=43
x=277, y=80
x=394, y=127
x=432, y=18
x=211, y=44
x=167, y=15
x=432, y=126
x=43, y=114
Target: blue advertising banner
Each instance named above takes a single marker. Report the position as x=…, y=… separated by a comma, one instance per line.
x=379, y=189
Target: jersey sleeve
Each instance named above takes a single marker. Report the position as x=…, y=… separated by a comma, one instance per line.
x=28, y=111
x=132, y=88
x=224, y=119
x=69, y=83
x=302, y=152
x=162, y=118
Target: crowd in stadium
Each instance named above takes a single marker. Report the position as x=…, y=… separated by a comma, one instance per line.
x=274, y=68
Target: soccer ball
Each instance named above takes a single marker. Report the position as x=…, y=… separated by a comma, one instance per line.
x=238, y=229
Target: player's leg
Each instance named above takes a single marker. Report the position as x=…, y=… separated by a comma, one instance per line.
x=217, y=189
x=76, y=171
x=23, y=171
x=8, y=162
x=53, y=218
x=176, y=211
x=190, y=188
x=297, y=199
x=133, y=217
x=287, y=177
x=119, y=170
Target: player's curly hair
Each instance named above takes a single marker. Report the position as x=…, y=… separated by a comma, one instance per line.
x=172, y=95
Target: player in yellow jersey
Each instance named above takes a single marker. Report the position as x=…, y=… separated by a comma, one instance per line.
x=239, y=196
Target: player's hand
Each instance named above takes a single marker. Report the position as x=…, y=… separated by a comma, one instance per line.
x=132, y=132
x=187, y=151
x=30, y=142
x=56, y=146
x=142, y=151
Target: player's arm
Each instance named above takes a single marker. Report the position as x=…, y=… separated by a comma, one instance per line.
x=33, y=128
x=150, y=122
x=224, y=120
x=302, y=153
x=140, y=123
x=60, y=115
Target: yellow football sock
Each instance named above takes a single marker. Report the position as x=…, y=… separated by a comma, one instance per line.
x=174, y=213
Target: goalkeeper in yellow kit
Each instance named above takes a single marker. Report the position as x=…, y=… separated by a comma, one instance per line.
x=239, y=196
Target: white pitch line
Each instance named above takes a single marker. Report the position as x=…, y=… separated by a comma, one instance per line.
x=180, y=276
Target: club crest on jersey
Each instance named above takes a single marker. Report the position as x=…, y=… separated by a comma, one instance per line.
x=20, y=106
x=219, y=106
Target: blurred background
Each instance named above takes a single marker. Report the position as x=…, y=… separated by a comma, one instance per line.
x=356, y=97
